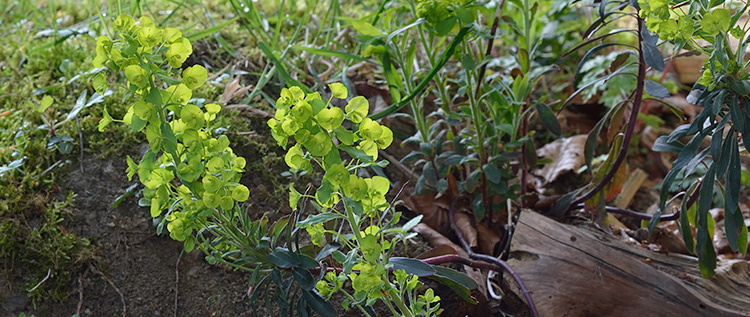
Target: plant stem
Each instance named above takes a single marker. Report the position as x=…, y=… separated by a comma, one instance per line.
x=483, y=257
x=637, y=99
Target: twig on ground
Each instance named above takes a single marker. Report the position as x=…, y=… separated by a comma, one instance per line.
x=122, y=297
x=401, y=167
x=49, y=273
x=177, y=281
x=80, y=292
x=80, y=137
x=492, y=260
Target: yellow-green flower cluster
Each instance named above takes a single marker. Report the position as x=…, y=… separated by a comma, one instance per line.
x=314, y=125
x=187, y=172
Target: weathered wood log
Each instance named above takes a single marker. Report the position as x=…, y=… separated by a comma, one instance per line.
x=581, y=271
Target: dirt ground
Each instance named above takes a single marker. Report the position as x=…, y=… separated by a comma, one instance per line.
x=154, y=279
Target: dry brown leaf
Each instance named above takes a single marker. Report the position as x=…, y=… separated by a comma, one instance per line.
x=463, y=222
x=438, y=250
x=488, y=239
x=437, y=239
x=434, y=211
x=566, y=154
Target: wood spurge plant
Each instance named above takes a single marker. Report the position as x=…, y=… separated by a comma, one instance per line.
x=191, y=180
x=181, y=147
x=723, y=91
x=350, y=203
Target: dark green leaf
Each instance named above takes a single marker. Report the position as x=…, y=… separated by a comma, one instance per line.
x=283, y=258
x=492, y=172
x=589, y=54
x=357, y=153
x=460, y=290
x=327, y=250
x=663, y=145
x=319, y=304
x=306, y=261
x=741, y=87
x=456, y=276
x=548, y=119
x=652, y=56
x=351, y=259
x=656, y=89
x=412, y=156
x=304, y=278
x=733, y=219
x=412, y=266
x=704, y=242
x=318, y=218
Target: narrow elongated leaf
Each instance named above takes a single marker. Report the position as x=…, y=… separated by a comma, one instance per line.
x=704, y=245
x=726, y=147
x=423, y=84
x=596, y=39
x=456, y=276
x=318, y=218
x=548, y=119
x=591, y=53
x=319, y=304
x=283, y=258
x=662, y=144
x=460, y=290
x=304, y=278
x=733, y=219
x=652, y=56
x=685, y=228
x=741, y=87
x=216, y=28
x=656, y=89
x=331, y=53
x=327, y=250
x=412, y=266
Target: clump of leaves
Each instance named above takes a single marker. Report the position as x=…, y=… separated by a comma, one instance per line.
x=180, y=145
x=350, y=202
x=723, y=91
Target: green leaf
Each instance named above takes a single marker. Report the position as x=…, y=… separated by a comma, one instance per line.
x=656, y=89
x=356, y=153
x=548, y=118
x=411, y=223
x=412, y=266
x=304, y=278
x=662, y=144
x=365, y=28
x=216, y=28
x=349, y=261
x=283, y=258
x=652, y=56
x=106, y=119
x=456, y=276
x=460, y=290
x=319, y=304
x=492, y=172
x=327, y=250
x=704, y=240
x=345, y=136
x=357, y=109
x=444, y=58
x=324, y=192
x=338, y=90
x=318, y=218
x=168, y=140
